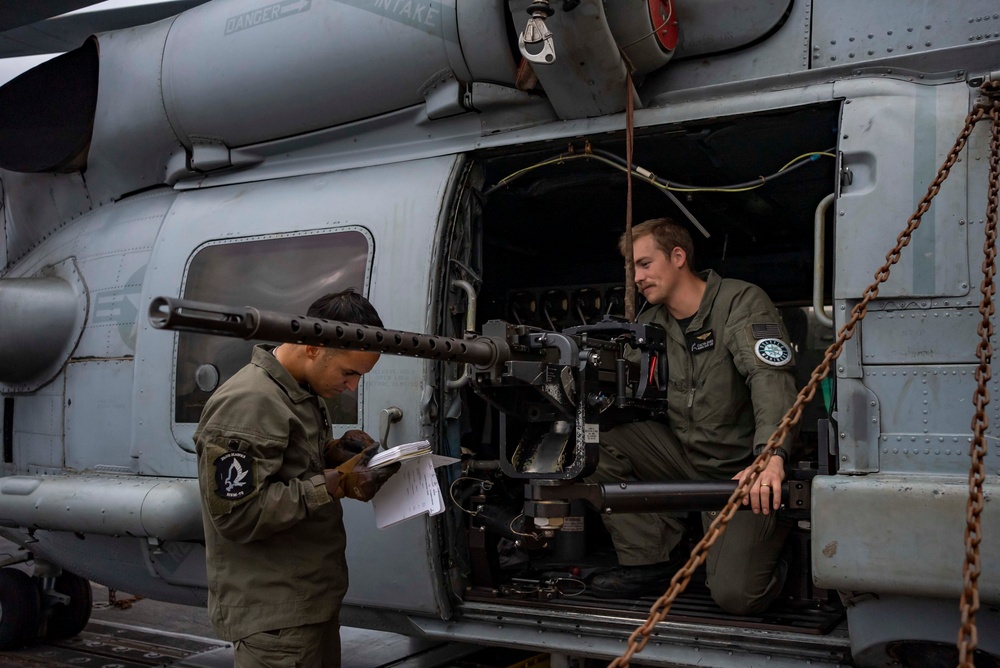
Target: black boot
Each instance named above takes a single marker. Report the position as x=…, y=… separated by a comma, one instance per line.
x=634, y=581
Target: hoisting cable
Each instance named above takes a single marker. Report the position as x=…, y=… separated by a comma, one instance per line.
x=638, y=639
x=629, y=142
x=666, y=22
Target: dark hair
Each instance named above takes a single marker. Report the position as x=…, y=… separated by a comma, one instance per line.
x=667, y=234
x=346, y=306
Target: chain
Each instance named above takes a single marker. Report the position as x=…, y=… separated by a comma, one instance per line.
x=123, y=604
x=967, y=638
x=637, y=641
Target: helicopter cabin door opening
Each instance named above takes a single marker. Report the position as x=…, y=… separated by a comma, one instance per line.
x=536, y=237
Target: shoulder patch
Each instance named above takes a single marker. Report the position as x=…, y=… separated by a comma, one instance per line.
x=765, y=331
x=773, y=352
x=234, y=475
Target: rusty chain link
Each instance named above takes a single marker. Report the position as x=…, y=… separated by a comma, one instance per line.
x=640, y=636
x=123, y=604
x=967, y=638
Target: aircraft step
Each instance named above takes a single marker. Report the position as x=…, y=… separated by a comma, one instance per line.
x=115, y=645
x=693, y=606
x=112, y=645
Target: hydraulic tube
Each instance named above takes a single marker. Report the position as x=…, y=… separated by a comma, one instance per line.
x=250, y=323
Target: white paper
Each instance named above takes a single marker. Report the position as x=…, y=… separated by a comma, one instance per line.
x=411, y=491
x=399, y=453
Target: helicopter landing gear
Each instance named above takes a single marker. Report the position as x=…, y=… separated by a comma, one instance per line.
x=891, y=630
x=20, y=608
x=70, y=612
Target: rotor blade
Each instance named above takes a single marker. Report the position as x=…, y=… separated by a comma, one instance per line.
x=64, y=33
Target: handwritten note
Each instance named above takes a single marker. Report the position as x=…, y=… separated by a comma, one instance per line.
x=413, y=490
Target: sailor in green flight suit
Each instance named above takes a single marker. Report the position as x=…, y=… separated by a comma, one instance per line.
x=731, y=381
x=271, y=480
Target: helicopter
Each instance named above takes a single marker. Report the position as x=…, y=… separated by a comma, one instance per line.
x=467, y=165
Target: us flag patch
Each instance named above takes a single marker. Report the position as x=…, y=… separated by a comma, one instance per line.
x=765, y=331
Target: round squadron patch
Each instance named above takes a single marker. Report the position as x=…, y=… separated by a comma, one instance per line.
x=234, y=475
x=773, y=351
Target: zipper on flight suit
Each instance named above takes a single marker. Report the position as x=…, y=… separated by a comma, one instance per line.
x=324, y=434
x=690, y=375
x=690, y=370
x=690, y=356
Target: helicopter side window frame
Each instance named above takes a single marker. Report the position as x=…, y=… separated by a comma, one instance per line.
x=282, y=272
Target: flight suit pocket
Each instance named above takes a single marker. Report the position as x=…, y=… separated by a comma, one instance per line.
x=719, y=392
x=281, y=649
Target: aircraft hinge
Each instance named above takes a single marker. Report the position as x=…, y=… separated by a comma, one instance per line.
x=979, y=80
x=444, y=96
x=155, y=545
x=846, y=177
x=207, y=155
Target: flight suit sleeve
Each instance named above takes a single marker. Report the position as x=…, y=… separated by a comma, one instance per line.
x=763, y=354
x=237, y=473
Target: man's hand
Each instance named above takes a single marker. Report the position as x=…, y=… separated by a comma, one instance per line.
x=354, y=480
x=339, y=450
x=765, y=494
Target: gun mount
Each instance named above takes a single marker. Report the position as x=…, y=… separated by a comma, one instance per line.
x=553, y=391
x=559, y=385
x=249, y=323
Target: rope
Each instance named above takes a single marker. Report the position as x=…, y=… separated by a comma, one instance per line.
x=629, y=143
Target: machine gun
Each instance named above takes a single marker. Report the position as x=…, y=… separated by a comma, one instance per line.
x=562, y=385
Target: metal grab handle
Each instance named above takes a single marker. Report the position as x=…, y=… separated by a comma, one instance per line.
x=386, y=418
x=470, y=328
x=819, y=251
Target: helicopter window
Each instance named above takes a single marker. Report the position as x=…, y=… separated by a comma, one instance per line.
x=281, y=273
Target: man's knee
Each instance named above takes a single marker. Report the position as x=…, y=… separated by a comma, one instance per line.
x=736, y=600
x=612, y=466
x=740, y=597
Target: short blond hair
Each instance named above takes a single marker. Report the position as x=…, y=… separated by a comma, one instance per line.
x=667, y=234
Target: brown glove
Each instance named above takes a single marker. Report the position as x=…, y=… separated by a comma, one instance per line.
x=340, y=450
x=354, y=480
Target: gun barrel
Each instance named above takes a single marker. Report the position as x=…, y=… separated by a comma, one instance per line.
x=251, y=323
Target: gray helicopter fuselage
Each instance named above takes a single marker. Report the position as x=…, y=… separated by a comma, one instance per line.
x=265, y=155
